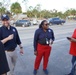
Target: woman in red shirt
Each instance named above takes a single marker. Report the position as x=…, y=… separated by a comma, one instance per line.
x=73, y=50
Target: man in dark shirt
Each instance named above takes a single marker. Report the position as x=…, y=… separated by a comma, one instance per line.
x=10, y=46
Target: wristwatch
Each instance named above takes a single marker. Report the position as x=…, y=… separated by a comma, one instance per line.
x=21, y=47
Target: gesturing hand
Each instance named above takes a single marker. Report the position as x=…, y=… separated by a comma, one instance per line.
x=10, y=37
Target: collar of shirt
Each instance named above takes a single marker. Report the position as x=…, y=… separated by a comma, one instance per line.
x=7, y=27
x=46, y=30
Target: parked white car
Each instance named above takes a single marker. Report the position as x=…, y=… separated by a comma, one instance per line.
x=35, y=22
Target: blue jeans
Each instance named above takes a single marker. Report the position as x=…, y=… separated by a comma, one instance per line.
x=73, y=63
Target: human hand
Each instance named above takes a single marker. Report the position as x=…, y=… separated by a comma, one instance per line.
x=10, y=37
x=35, y=53
x=21, y=51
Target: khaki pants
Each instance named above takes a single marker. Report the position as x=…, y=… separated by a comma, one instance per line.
x=11, y=58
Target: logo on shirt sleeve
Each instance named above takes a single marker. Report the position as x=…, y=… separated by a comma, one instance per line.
x=49, y=30
x=4, y=15
x=14, y=30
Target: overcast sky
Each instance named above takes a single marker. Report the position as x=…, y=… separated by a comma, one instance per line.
x=60, y=5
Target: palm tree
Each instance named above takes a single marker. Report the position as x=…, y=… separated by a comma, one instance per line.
x=16, y=8
x=2, y=9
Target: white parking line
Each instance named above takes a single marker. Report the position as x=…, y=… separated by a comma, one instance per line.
x=60, y=40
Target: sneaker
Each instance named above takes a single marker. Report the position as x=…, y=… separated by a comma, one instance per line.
x=45, y=71
x=35, y=72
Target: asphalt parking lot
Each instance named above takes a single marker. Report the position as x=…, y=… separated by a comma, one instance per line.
x=59, y=61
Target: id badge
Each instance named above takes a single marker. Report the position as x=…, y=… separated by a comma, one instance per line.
x=47, y=42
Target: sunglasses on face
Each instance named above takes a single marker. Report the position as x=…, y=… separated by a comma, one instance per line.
x=46, y=24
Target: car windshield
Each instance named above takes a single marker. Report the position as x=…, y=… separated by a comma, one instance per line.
x=55, y=18
x=23, y=20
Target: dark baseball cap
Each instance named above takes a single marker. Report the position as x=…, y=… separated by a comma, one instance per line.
x=4, y=16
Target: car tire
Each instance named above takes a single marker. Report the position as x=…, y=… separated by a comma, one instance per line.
x=62, y=23
x=27, y=25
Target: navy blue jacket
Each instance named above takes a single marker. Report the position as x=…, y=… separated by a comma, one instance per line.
x=5, y=32
x=40, y=34
x=3, y=61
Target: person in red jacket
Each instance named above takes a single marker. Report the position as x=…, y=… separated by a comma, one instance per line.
x=72, y=50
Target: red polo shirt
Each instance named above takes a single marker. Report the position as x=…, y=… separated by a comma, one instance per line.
x=73, y=45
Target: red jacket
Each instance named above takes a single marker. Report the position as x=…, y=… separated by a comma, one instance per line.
x=73, y=45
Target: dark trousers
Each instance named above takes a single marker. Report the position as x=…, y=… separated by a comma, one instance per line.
x=73, y=64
